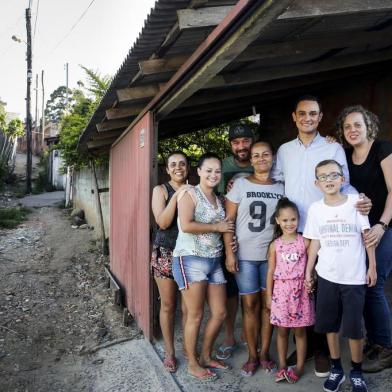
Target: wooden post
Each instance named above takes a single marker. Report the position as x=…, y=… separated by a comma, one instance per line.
x=104, y=246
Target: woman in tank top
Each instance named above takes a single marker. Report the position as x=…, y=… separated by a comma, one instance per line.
x=370, y=165
x=197, y=265
x=164, y=208
x=251, y=203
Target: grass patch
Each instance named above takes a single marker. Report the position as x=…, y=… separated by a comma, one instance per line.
x=12, y=217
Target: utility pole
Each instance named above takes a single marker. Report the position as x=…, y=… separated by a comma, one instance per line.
x=66, y=85
x=29, y=162
x=43, y=108
x=36, y=103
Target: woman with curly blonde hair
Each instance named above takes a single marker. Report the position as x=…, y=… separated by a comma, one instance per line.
x=370, y=165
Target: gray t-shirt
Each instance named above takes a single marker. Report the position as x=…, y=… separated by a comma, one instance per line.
x=255, y=216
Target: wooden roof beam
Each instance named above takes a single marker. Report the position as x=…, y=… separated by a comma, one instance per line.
x=112, y=125
x=301, y=46
x=93, y=144
x=155, y=66
x=201, y=17
x=138, y=92
x=120, y=113
x=262, y=15
x=265, y=74
x=303, y=9
x=107, y=134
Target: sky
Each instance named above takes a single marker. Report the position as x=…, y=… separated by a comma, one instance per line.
x=100, y=40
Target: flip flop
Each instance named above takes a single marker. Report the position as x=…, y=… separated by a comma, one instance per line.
x=206, y=377
x=225, y=352
x=280, y=375
x=221, y=365
x=291, y=376
x=249, y=368
x=170, y=364
x=268, y=365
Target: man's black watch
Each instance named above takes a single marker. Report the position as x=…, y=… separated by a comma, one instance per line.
x=383, y=225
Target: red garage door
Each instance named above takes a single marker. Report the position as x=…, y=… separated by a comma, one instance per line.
x=130, y=187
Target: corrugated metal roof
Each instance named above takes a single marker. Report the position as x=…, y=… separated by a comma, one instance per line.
x=332, y=28
x=156, y=26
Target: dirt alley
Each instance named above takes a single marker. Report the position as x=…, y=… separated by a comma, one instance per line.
x=54, y=306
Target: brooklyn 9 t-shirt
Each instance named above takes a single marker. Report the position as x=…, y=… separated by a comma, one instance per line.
x=255, y=216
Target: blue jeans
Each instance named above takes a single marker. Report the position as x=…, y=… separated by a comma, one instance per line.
x=377, y=313
x=191, y=269
x=252, y=276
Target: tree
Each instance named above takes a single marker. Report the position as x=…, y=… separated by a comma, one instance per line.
x=15, y=128
x=71, y=127
x=60, y=101
x=75, y=121
x=196, y=143
x=8, y=134
x=97, y=84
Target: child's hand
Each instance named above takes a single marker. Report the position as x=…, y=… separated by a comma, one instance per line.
x=371, y=277
x=268, y=301
x=309, y=283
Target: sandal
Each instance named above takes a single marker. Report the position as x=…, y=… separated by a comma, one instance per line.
x=291, y=376
x=219, y=365
x=280, y=375
x=225, y=352
x=170, y=364
x=249, y=368
x=205, y=377
x=268, y=365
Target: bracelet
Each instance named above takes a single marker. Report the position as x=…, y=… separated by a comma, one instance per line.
x=383, y=225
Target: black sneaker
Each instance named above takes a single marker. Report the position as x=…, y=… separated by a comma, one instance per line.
x=322, y=364
x=357, y=382
x=334, y=381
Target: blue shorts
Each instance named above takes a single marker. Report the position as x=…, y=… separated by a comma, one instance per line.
x=191, y=269
x=252, y=276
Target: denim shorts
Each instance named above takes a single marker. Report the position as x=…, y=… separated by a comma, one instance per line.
x=252, y=276
x=191, y=269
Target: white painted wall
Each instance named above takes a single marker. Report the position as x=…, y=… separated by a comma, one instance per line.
x=84, y=198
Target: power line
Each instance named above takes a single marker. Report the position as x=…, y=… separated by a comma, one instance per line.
x=6, y=31
x=72, y=28
x=35, y=21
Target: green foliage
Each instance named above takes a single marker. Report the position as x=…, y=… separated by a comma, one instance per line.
x=97, y=84
x=196, y=143
x=12, y=217
x=15, y=128
x=42, y=183
x=3, y=115
x=73, y=123
x=58, y=104
x=8, y=134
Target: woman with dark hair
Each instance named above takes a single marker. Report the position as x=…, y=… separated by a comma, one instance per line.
x=370, y=165
x=197, y=265
x=251, y=204
x=164, y=208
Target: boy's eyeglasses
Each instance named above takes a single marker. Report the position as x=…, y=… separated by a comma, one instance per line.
x=331, y=176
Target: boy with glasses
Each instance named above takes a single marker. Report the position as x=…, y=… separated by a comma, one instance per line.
x=335, y=229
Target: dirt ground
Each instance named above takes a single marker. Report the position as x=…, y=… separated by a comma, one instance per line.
x=55, y=306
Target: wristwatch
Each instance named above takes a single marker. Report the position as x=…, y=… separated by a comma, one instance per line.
x=383, y=225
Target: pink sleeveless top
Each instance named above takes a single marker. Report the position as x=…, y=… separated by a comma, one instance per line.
x=291, y=259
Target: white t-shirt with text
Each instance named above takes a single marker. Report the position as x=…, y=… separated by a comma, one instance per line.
x=342, y=255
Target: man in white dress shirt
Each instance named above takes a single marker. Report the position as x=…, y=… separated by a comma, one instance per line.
x=295, y=164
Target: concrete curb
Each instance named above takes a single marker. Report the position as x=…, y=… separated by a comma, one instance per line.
x=167, y=380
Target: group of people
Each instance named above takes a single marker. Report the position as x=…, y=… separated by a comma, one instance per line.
x=275, y=220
